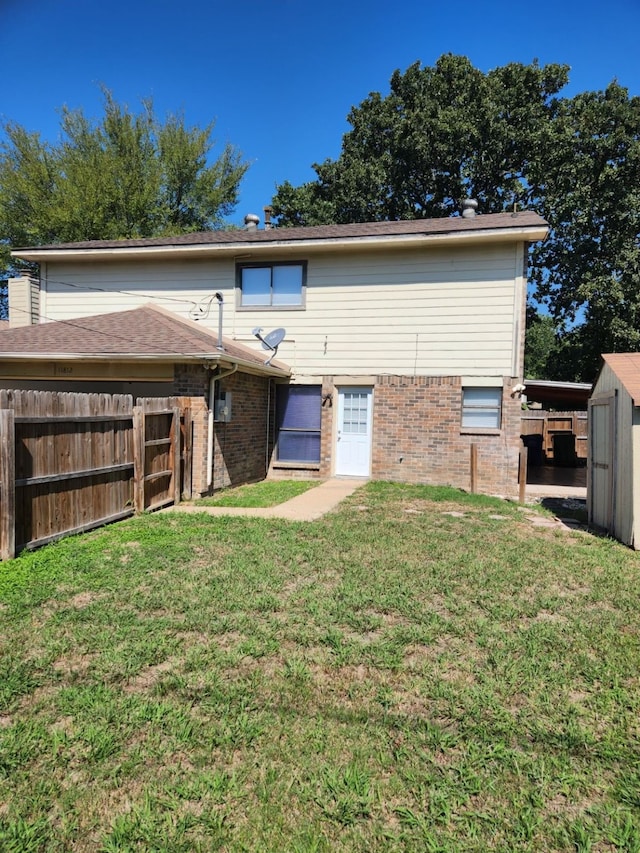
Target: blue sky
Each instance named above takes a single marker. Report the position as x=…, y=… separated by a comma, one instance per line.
x=279, y=76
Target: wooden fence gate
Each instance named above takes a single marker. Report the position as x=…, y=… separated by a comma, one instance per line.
x=71, y=462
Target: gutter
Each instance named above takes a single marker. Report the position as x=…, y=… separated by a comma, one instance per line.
x=529, y=233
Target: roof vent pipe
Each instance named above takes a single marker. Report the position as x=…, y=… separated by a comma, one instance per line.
x=251, y=222
x=469, y=207
x=268, y=213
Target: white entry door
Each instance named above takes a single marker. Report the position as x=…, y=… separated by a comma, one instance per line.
x=353, y=446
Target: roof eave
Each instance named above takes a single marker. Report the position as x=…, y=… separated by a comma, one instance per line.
x=205, y=359
x=527, y=233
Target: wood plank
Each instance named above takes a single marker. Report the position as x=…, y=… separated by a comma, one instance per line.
x=159, y=442
x=83, y=528
x=522, y=474
x=157, y=475
x=7, y=485
x=187, y=453
x=474, y=468
x=73, y=475
x=160, y=503
x=174, y=461
x=82, y=419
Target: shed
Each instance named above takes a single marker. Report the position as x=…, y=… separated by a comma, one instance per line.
x=613, y=484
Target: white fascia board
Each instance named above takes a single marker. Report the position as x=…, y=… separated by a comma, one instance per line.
x=531, y=233
x=551, y=383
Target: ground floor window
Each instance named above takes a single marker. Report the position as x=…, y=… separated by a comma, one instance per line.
x=298, y=411
x=481, y=408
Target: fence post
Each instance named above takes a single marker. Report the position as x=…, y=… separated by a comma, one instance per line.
x=522, y=473
x=187, y=453
x=175, y=452
x=474, y=468
x=138, y=458
x=7, y=485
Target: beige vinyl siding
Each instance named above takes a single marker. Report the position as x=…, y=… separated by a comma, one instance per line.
x=634, y=474
x=82, y=289
x=446, y=312
x=624, y=463
x=23, y=299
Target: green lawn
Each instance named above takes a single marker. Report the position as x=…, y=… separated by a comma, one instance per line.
x=393, y=677
x=264, y=494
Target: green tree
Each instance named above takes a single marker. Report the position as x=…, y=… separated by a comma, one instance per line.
x=441, y=134
x=507, y=138
x=588, y=185
x=541, y=346
x=127, y=175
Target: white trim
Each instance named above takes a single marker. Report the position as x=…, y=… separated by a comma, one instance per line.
x=518, y=306
x=339, y=408
x=363, y=380
x=481, y=381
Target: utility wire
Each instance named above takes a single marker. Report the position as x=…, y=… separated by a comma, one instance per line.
x=115, y=290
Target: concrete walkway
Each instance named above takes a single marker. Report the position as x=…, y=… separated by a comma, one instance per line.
x=309, y=506
x=538, y=491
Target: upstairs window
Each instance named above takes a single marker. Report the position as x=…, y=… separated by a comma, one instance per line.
x=481, y=408
x=272, y=285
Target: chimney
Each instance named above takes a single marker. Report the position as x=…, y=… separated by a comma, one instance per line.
x=268, y=212
x=251, y=222
x=24, y=301
x=469, y=207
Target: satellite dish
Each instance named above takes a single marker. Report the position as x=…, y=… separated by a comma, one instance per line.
x=271, y=341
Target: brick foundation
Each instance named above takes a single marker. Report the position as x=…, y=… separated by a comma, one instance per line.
x=417, y=437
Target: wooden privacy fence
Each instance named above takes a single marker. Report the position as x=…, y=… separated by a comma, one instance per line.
x=555, y=428
x=71, y=462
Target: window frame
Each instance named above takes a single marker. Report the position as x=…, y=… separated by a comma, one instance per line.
x=297, y=306
x=468, y=407
x=315, y=429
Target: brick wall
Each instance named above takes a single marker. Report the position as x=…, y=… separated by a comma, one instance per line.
x=240, y=445
x=417, y=437
x=192, y=381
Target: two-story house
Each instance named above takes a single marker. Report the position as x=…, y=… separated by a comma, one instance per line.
x=403, y=342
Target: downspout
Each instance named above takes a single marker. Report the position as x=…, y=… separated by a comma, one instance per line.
x=268, y=425
x=215, y=377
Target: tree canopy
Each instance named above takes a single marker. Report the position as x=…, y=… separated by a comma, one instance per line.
x=127, y=175
x=506, y=137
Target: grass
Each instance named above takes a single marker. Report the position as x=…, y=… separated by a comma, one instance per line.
x=422, y=670
x=264, y=494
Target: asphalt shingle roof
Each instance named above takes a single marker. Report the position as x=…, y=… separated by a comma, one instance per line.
x=626, y=366
x=441, y=225
x=146, y=331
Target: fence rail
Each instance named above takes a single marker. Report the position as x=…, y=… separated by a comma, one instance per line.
x=71, y=462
